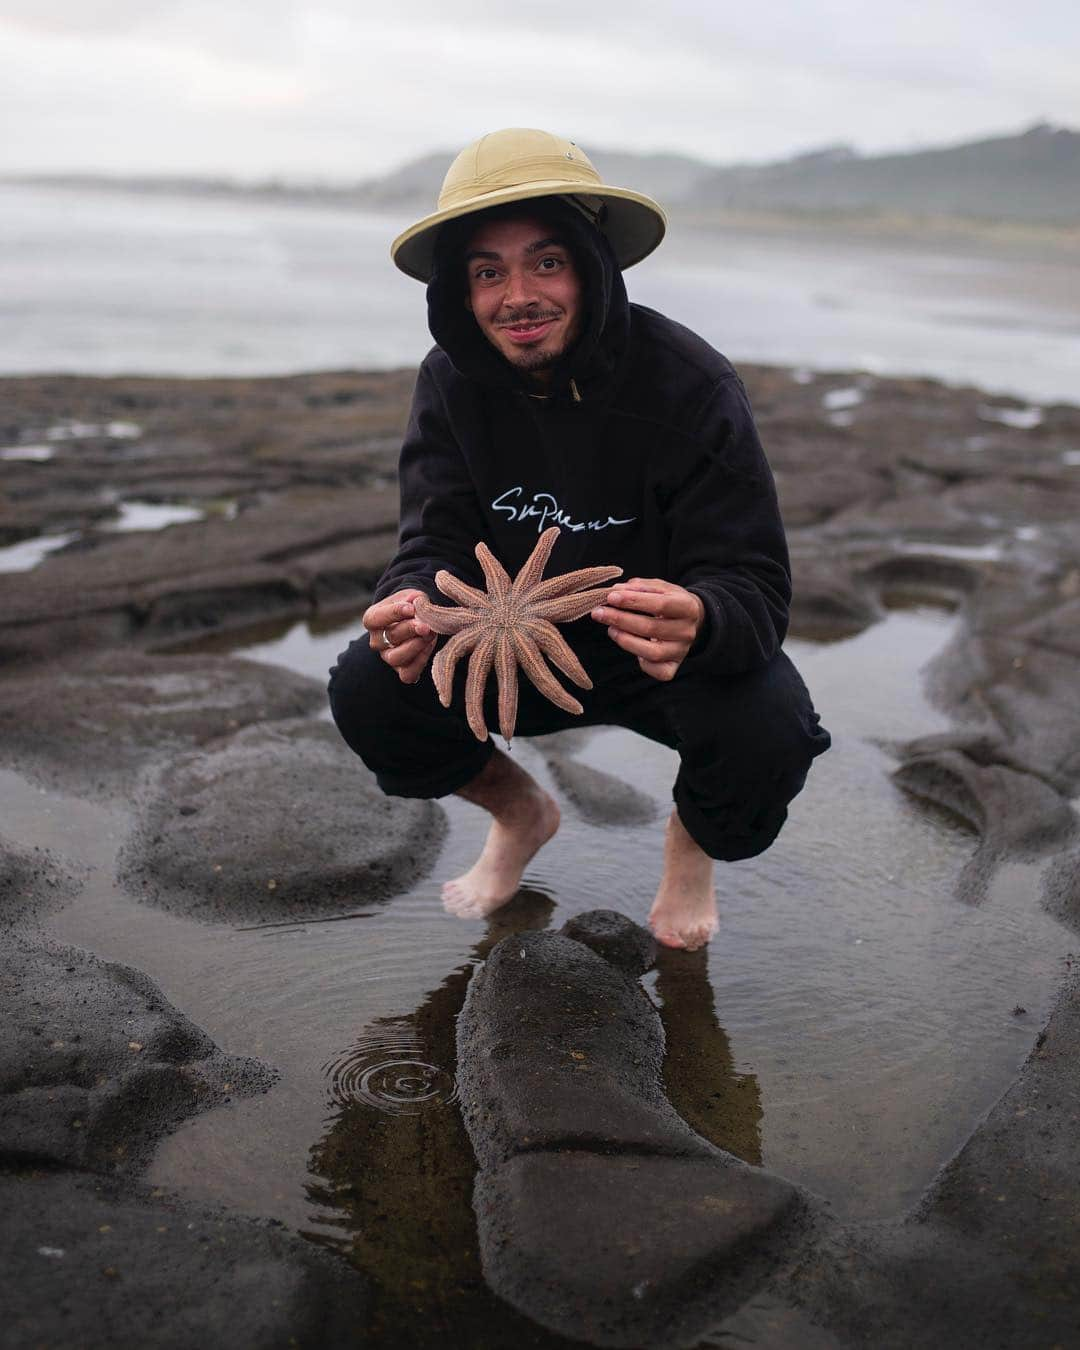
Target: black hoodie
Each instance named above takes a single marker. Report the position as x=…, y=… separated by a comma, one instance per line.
x=645, y=453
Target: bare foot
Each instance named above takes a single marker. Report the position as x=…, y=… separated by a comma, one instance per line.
x=684, y=911
x=525, y=818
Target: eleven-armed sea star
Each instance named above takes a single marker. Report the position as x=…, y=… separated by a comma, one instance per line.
x=511, y=624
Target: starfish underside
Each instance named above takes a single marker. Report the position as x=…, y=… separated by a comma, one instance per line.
x=512, y=624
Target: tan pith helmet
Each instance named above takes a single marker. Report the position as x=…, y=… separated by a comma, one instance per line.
x=518, y=164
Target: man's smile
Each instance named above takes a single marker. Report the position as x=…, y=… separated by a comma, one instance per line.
x=530, y=330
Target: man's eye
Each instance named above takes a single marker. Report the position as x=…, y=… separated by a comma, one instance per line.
x=554, y=263
x=485, y=273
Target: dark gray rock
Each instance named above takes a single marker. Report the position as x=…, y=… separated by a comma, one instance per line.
x=1061, y=888
x=91, y=725
x=600, y=798
x=614, y=937
x=95, y=1265
x=96, y=1064
x=559, y=1049
x=828, y=602
x=1013, y=812
x=991, y=1260
x=600, y=1212
x=31, y=882
x=278, y=820
x=630, y=1250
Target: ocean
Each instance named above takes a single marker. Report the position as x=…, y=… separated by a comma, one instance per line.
x=105, y=282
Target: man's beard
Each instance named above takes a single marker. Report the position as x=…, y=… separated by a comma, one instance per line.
x=533, y=362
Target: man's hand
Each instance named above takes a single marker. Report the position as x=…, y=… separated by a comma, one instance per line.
x=654, y=620
x=398, y=636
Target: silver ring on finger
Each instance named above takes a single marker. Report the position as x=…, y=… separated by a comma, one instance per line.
x=386, y=639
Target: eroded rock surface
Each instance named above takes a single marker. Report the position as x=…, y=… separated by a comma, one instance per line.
x=294, y=477
x=92, y=1264
x=94, y=723
x=1014, y=813
x=601, y=1213
x=279, y=820
x=600, y=798
x=991, y=1261
x=31, y=882
x=96, y=1064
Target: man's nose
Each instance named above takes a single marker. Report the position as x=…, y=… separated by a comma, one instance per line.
x=519, y=289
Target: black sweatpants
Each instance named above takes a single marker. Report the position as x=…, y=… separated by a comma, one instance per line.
x=745, y=741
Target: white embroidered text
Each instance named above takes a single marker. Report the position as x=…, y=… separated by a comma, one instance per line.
x=545, y=510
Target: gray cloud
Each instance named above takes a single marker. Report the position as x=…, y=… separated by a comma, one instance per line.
x=327, y=88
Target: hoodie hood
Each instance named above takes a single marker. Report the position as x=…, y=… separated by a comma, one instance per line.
x=593, y=360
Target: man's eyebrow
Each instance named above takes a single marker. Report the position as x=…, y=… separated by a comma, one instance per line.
x=544, y=243
x=530, y=249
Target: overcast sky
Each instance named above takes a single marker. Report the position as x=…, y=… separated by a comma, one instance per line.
x=342, y=89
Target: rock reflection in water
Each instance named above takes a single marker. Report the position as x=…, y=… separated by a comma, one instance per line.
x=396, y=1189
x=394, y=1173
x=700, y=1080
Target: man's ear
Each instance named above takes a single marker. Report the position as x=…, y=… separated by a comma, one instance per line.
x=468, y=302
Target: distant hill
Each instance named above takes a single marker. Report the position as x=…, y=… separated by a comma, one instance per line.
x=1031, y=177
x=668, y=177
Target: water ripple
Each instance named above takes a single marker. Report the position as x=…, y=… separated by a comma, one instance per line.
x=385, y=1068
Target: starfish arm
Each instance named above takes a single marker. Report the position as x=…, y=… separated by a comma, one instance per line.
x=442, y=618
x=506, y=674
x=566, y=608
x=457, y=590
x=532, y=663
x=445, y=663
x=558, y=651
x=569, y=581
x=480, y=664
x=498, y=582
x=533, y=568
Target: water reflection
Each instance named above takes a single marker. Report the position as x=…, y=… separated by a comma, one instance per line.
x=699, y=1070
x=392, y=1178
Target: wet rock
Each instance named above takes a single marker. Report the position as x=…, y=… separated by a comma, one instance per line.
x=807, y=499
x=1061, y=888
x=96, y=1064
x=992, y=1257
x=91, y=1263
x=270, y=559
x=280, y=820
x=601, y=1213
x=559, y=1049
x=629, y=1250
x=614, y=937
x=600, y=798
x=828, y=602
x=31, y=882
x=92, y=724
x=1012, y=812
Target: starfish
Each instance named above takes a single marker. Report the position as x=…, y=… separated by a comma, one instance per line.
x=511, y=624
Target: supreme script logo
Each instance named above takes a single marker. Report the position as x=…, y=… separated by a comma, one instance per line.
x=545, y=510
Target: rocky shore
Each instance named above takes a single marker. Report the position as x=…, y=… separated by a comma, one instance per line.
x=603, y=1218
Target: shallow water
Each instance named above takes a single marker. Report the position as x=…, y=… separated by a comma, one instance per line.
x=848, y=1028
x=98, y=282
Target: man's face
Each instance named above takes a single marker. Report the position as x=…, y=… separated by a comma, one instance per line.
x=524, y=291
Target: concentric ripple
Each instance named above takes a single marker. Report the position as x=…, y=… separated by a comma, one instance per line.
x=385, y=1068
